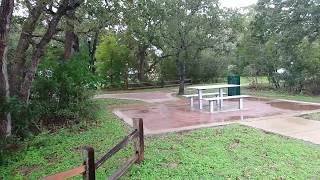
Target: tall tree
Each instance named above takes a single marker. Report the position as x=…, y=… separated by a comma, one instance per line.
x=6, y=10
x=22, y=75
x=189, y=27
x=96, y=17
x=143, y=19
x=281, y=27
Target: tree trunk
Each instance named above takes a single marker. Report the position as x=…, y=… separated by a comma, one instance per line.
x=6, y=10
x=142, y=58
x=92, y=51
x=19, y=61
x=71, y=44
x=181, y=72
x=39, y=49
x=126, y=77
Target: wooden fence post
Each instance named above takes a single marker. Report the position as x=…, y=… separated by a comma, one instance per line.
x=90, y=173
x=139, y=143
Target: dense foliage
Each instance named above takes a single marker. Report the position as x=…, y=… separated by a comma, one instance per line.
x=282, y=42
x=112, y=61
x=60, y=94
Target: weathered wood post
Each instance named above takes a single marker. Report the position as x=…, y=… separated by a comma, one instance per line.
x=90, y=173
x=139, y=143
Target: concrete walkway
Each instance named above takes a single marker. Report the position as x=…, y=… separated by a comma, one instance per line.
x=295, y=127
x=149, y=97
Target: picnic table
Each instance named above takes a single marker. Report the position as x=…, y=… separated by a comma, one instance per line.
x=220, y=88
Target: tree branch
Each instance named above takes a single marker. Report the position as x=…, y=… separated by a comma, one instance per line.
x=53, y=38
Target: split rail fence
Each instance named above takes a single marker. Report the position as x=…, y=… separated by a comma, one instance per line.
x=89, y=166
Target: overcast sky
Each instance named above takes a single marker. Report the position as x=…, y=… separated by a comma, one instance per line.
x=237, y=3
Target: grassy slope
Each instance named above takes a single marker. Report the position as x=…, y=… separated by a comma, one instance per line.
x=234, y=151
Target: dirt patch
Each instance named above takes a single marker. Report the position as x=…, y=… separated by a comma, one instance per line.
x=26, y=170
x=54, y=124
x=173, y=165
x=12, y=147
x=235, y=144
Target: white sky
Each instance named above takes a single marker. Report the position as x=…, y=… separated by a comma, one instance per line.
x=237, y=3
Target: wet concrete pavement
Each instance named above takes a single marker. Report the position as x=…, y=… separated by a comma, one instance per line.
x=166, y=113
x=295, y=127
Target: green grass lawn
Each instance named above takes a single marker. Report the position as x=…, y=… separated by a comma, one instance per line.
x=245, y=81
x=234, y=151
x=213, y=153
x=280, y=95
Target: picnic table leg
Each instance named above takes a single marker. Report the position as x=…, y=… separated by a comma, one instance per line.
x=200, y=98
x=211, y=106
x=220, y=95
x=241, y=103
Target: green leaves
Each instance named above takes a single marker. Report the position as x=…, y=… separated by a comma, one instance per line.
x=283, y=35
x=112, y=60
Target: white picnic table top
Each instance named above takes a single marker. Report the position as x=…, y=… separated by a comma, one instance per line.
x=215, y=86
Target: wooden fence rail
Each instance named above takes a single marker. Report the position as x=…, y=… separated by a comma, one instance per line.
x=88, y=169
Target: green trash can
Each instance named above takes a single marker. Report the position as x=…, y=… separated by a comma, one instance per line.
x=234, y=79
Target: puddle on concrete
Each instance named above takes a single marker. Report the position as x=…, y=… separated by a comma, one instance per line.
x=293, y=106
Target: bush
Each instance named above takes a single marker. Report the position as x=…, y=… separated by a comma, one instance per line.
x=168, y=70
x=209, y=67
x=112, y=61
x=61, y=94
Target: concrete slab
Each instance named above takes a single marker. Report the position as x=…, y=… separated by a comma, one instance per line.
x=295, y=127
x=166, y=113
x=177, y=115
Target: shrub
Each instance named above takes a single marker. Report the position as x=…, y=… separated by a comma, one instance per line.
x=112, y=61
x=60, y=95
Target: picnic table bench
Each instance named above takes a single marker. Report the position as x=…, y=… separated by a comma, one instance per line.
x=192, y=96
x=211, y=100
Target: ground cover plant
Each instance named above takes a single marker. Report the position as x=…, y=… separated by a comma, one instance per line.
x=233, y=151
x=230, y=152
x=271, y=93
